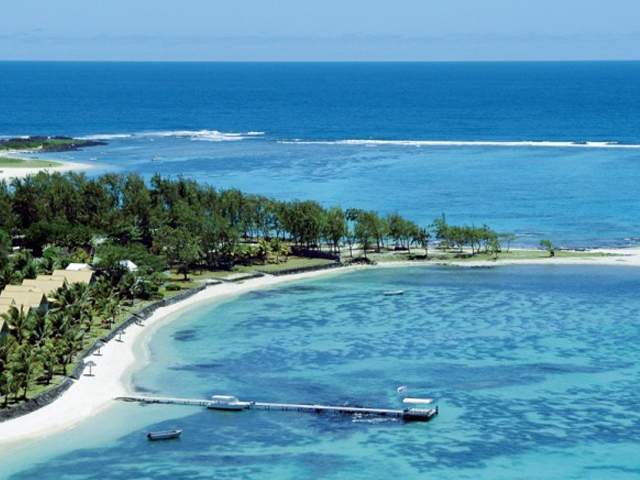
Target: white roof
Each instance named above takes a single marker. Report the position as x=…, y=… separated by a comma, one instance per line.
x=129, y=265
x=423, y=401
x=74, y=267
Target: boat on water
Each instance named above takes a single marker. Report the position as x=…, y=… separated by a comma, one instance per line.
x=226, y=402
x=393, y=292
x=164, y=434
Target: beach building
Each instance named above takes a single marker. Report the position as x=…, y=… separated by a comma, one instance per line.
x=21, y=288
x=74, y=267
x=6, y=301
x=5, y=305
x=25, y=299
x=53, y=278
x=47, y=283
x=129, y=265
x=77, y=276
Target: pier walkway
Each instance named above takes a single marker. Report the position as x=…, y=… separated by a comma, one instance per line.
x=407, y=414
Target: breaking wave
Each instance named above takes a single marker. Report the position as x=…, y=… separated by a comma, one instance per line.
x=202, y=135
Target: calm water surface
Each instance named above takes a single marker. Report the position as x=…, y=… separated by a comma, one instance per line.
x=535, y=370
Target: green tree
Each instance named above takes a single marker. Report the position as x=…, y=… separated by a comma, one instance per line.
x=262, y=250
x=181, y=247
x=20, y=323
x=421, y=237
x=494, y=247
x=547, y=244
x=335, y=227
x=508, y=237
x=24, y=366
x=48, y=359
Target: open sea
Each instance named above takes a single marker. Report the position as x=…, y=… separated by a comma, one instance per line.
x=536, y=368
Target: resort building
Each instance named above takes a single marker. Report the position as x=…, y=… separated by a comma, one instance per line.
x=25, y=299
x=129, y=265
x=5, y=305
x=6, y=301
x=21, y=288
x=74, y=267
x=47, y=283
x=77, y=276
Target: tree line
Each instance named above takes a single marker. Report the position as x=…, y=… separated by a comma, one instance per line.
x=165, y=223
x=192, y=224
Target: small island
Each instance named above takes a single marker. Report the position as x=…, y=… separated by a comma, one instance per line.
x=13, y=165
x=41, y=143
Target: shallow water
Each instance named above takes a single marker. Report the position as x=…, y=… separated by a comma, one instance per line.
x=535, y=370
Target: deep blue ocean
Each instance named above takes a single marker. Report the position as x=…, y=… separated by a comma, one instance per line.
x=536, y=369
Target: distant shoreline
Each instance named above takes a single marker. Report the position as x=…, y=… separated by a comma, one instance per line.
x=112, y=374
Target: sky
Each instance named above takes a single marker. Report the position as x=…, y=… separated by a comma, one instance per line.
x=319, y=30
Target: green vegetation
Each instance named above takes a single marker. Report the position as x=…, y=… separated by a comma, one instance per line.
x=46, y=144
x=548, y=245
x=178, y=233
x=6, y=162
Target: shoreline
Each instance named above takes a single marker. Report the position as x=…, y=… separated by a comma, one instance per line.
x=113, y=374
x=7, y=173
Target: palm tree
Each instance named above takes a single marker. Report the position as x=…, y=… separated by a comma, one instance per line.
x=8, y=276
x=49, y=360
x=262, y=250
x=59, y=323
x=24, y=366
x=41, y=329
x=285, y=251
x=7, y=345
x=30, y=270
x=20, y=323
x=67, y=346
x=5, y=387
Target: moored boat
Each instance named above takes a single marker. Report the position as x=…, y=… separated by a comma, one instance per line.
x=164, y=434
x=393, y=292
x=226, y=402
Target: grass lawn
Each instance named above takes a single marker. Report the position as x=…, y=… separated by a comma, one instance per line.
x=7, y=162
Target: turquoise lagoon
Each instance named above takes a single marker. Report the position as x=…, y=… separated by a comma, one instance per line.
x=535, y=369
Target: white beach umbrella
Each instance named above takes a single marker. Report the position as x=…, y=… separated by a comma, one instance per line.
x=90, y=364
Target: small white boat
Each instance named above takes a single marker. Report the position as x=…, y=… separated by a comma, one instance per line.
x=226, y=402
x=393, y=292
x=164, y=434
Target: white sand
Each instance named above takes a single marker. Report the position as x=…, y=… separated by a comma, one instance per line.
x=112, y=374
x=7, y=173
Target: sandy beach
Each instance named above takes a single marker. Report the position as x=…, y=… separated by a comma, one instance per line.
x=7, y=173
x=111, y=376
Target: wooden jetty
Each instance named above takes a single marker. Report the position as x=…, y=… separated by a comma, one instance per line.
x=166, y=400
x=412, y=414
